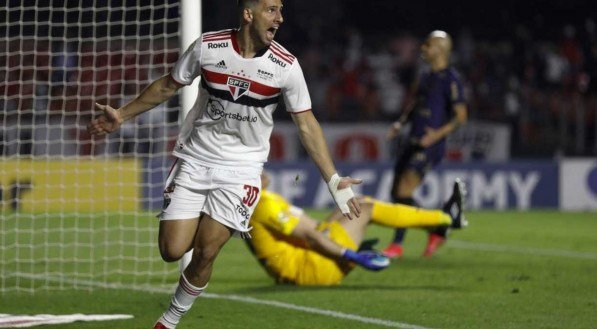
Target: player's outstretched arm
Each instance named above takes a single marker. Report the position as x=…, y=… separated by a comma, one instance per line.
x=306, y=230
x=108, y=121
x=314, y=142
x=396, y=126
x=111, y=119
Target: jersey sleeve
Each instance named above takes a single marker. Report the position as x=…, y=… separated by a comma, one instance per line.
x=456, y=89
x=188, y=66
x=275, y=214
x=296, y=94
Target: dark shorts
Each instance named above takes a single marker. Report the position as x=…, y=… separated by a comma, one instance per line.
x=416, y=158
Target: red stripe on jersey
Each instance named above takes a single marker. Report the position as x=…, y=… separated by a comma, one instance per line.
x=216, y=39
x=216, y=34
x=282, y=50
x=282, y=56
x=235, y=42
x=256, y=87
x=172, y=168
x=219, y=37
x=180, y=84
x=299, y=111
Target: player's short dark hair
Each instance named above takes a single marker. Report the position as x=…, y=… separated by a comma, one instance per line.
x=242, y=4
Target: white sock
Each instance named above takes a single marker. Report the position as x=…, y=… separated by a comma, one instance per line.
x=185, y=260
x=181, y=302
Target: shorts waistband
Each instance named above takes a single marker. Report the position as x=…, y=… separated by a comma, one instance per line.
x=249, y=169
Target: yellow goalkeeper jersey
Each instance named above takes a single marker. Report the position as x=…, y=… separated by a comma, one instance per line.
x=288, y=259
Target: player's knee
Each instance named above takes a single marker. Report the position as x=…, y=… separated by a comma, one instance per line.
x=171, y=253
x=206, y=254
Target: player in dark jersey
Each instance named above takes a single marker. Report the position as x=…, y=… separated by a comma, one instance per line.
x=437, y=109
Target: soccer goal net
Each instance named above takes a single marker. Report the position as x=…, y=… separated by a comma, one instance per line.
x=77, y=211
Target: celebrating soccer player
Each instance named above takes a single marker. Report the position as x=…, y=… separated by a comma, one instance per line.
x=215, y=184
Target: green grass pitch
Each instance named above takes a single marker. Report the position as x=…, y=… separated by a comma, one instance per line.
x=507, y=270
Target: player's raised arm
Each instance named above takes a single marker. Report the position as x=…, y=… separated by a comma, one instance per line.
x=110, y=119
x=314, y=142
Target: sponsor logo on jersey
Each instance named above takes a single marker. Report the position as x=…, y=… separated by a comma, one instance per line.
x=243, y=211
x=265, y=75
x=216, y=45
x=221, y=65
x=215, y=110
x=238, y=87
x=275, y=60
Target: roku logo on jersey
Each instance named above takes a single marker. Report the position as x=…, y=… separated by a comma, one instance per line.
x=213, y=45
x=215, y=110
x=238, y=87
x=275, y=60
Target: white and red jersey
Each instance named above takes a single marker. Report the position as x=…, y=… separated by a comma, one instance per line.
x=231, y=122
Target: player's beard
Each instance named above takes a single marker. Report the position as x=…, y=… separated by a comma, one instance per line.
x=261, y=39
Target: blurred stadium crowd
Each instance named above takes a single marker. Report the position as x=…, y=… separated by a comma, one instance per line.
x=536, y=76
x=545, y=89
x=527, y=66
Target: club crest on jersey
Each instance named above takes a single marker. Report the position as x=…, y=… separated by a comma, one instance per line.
x=238, y=87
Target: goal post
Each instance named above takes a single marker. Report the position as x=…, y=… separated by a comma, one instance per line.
x=77, y=211
x=190, y=30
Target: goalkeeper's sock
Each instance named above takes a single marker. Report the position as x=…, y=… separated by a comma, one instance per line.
x=181, y=302
x=398, y=215
x=396, y=246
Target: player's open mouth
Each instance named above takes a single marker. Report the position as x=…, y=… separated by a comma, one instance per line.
x=271, y=32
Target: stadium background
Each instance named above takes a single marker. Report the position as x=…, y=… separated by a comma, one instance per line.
x=77, y=212
x=530, y=86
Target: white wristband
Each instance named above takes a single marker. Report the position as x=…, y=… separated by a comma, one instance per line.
x=342, y=196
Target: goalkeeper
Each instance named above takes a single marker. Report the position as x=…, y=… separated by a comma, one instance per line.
x=294, y=248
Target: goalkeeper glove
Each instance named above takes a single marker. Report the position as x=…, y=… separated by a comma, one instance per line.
x=368, y=259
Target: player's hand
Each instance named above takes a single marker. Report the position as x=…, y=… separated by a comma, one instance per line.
x=344, y=196
x=430, y=137
x=105, y=123
x=394, y=129
x=369, y=259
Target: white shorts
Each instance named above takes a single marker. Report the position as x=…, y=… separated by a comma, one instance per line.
x=227, y=196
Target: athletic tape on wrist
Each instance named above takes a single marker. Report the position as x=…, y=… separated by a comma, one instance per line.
x=342, y=196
